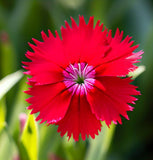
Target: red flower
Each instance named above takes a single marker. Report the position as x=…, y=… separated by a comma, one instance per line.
x=76, y=80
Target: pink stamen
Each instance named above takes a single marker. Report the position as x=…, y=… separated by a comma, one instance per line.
x=80, y=77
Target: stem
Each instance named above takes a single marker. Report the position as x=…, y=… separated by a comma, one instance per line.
x=99, y=146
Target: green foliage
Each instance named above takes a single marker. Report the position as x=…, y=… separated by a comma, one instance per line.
x=99, y=147
x=2, y=114
x=20, y=21
x=28, y=144
x=8, y=82
x=7, y=147
x=137, y=72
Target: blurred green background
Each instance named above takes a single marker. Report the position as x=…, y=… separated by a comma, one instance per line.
x=22, y=20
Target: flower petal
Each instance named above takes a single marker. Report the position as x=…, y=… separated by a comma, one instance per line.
x=51, y=101
x=75, y=79
x=51, y=48
x=83, y=42
x=119, y=59
x=42, y=70
x=110, y=101
x=89, y=125
x=46, y=74
x=79, y=119
x=48, y=60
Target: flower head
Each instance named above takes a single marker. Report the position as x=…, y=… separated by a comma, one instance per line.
x=76, y=80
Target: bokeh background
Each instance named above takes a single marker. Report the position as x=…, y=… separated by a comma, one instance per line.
x=22, y=20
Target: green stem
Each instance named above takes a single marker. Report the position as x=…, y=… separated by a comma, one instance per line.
x=100, y=145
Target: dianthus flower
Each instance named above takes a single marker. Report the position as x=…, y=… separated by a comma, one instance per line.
x=77, y=80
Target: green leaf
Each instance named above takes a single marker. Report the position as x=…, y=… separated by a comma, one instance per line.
x=99, y=146
x=49, y=140
x=2, y=114
x=28, y=143
x=72, y=148
x=8, y=82
x=7, y=146
x=18, y=106
x=137, y=72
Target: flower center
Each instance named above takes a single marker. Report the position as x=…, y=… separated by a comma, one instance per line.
x=79, y=78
